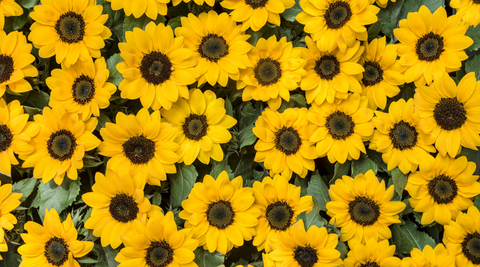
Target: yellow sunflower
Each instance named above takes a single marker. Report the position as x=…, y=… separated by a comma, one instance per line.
x=159, y=244
x=362, y=208
x=8, y=202
x=118, y=207
x=383, y=73
x=218, y=43
x=59, y=147
x=15, y=62
x=202, y=126
x=53, y=244
x=299, y=248
x=279, y=203
x=331, y=75
x=431, y=43
x=276, y=70
x=430, y=257
x=450, y=113
x=342, y=128
x=255, y=14
x=468, y=10
x=9, y=8
x=372, y=253
x=399, y=138
x=70, y=29
x=283, y=144
x=82, y=88
x=442, y=188
x=151, y=8
x=140, y=144
x=337, y=23
x=220, y=213
x=157, y=67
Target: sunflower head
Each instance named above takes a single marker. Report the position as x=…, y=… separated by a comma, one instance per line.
x=430, y=257
x=372, y=254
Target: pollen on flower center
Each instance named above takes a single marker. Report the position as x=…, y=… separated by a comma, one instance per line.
x=327, y=67
x=213, y=47
x=256, y=3
x=6, y=68
x=370, y=264
x=156, y=67
x=70, y=27
x=337, y=14
x=139, y=149
x=159, y=254
x=403, y=135
x=363, y=211
x=287, y=140
x=443, y=189
x=56, y=251
x=429, y=47
x=306, y=256
x=279, y=215
x=123, y=208
x=339, y=125
x=6, y=137
x=220, y=214
x=61, y=145
x=267, y=71
x=83, y=89
x=195, y=127
x=450, y=114
x=373, y=73
x=471, y=247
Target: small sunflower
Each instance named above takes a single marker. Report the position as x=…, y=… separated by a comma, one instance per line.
x=157, y=67
x=151, y=8
x=53, y=244
x=372, y=254
x=442, y=188
x=218, y=43
x=8, y=202
x=398, y=137
x=159, y=244
x=430, y=257
x=276, y=70
x=468, y=10
x=283, y=144
x=331, y=75
x=342, y=128
x=140, y=144
x=220, y=213
x=337, y=23
x=9, y=8
x=70, y=29
x=117, y=205
x=254, y=14
x=279, y=203
x=202, y=126
x=59, y=147
x=362, y=208
x=450, y=113
x=82, y=88
x=299, y=248
x=431, y=43
x=15, y=62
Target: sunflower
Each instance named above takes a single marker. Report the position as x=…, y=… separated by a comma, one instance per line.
x=159, y=244
x=70, y=29
x=140, y=144
x=362, y=208
x=279, y=203
x=81, y=88
x=218, y=43
x=53, y=244
x=383, y=73
x=450, y=112
x=442, y=188
x=372, y=253
x=342, y=128
x=430, y=257
x=117, y=205
x=337, y=23
x=60, y=145
x=398, y=137
x=299, y=248
x=220, y=213
x=254, y=14
x=276, y=70
x=202, y=126
x=283, y=143
x=151, y=8
x=9, y=8
x=8, y=202
x=431, y=43
x=468, y=10
x=331, y=75
x=15, y=62
x=157, y=67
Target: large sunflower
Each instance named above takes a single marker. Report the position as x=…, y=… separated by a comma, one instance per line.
x=442, y=188
x=202, y=126
x=157, y=67
x=60, y=145
x=151, y=8
x=140, y=144
x=9, y=8
x=70, y=29
x=283, y=144
x=53, y=244
x=372, y=253
x=8, y=202
x=15, y=62
x=220, y=213
x=82, y=88
x=468, y=10
x=279, y=203
x=276, y=69
x=430, y=257
x=342, y=128
x=431, y=43
x=450, y=112
x=362, y=208
x=331, y=75
x=218, y=43
x=337, y=23
x=398, y=137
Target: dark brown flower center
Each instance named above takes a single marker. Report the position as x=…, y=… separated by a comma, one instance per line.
x=123, y=208
x=213, y=47
x=305, y=256
x=139, y=149
x=327, y=67
x=6, y=137
x=429, y=47
x=337, y=14
x=450, y=114
x=195, y=127
x=364, y=211
x=471, y=247
x=83, y=89
x=370, y=264
x=220, y=214
x=267, y=71
x=476, y=2
x=70, y=27
x=287, y=140
x=56, y=251
x=159, y=254
x=61, y=145
x=156, y=67
x=6, y=68
x=443, y=189
x=339, y=125
x=256, y=3
x=373, y=73
x=403, y=135
x=279, y=215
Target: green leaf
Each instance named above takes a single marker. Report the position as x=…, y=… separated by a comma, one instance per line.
x=400, y=240
x=474, y=33
x=340, y=170
x=390, y=16
x=10, y=259
x=115, y=76
x=20, y=21
x=362, y=165
x=27, y=3
x=204, y=258
x=399, y=180
x=473, y=65
x=38, y=99
x=247, y=137
x=181, y=183
x=58, y=197
x=291, y=13
x=319, y=190
x=476, y=203
x=313, y=217
x=110, y=254
x=342, y=248
x=419, y=239
x=374, y=30
x=25, y=186
x=219, y=167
